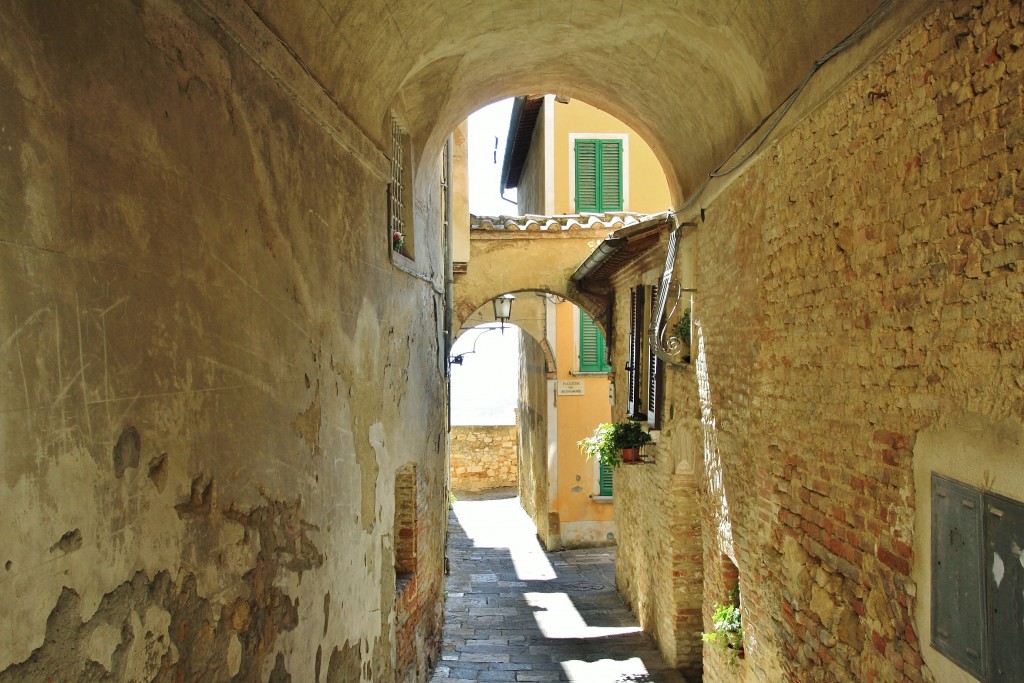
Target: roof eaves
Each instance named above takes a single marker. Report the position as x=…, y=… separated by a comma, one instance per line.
x=525, y=110
x=605, y=252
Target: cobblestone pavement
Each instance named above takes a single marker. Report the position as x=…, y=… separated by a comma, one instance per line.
x=516, y=613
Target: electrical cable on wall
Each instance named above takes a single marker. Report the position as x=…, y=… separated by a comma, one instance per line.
x=779, y=113
x=666, y=346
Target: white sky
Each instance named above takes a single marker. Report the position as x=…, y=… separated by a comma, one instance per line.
x=485, y=126
x=485, y=387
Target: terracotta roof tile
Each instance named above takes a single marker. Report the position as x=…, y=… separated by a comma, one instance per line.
x=533, y=222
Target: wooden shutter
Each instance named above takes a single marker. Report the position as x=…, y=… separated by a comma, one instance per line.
x=592, y=351
x=587, y=179
x=598, y=176
x=634, y=363
x=610, y=161
x=604, y=486
x=655, y=370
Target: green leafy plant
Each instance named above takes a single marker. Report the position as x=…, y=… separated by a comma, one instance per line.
x=682, y=328
x=728, y=627
x=608, y=440
x=397, y=240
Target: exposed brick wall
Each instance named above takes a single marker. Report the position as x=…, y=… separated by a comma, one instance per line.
x=861, y=281
x=484, y=457
x=659, y=563
x=417, y=576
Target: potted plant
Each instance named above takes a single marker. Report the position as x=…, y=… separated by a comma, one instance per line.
x=682, y=333
x=728, y=627
x=397, y=240
x=614, y=443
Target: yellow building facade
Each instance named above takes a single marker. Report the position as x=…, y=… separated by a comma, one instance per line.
x=567, y=157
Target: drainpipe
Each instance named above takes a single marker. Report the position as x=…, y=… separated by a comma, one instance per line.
x=616, y=241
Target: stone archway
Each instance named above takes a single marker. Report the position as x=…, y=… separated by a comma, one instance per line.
x=532, y=253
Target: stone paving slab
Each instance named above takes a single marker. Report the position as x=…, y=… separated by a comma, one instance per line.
x=516, y=613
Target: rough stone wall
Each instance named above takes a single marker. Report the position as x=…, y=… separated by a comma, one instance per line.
x=533, y=434
x=861, y=282
x=484, y=457
x=211, y=369
x=659, y=563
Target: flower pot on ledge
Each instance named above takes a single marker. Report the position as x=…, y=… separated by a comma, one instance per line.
x=615, y=443
x=631, y=455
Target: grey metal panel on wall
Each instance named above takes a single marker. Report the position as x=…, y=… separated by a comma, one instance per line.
x=1004, y=541
x=958, y=599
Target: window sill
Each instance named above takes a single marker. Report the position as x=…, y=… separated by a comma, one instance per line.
x=590, y=373
x=602, y=499
x=408, y=266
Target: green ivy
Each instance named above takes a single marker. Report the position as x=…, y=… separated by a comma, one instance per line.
x=728, y=627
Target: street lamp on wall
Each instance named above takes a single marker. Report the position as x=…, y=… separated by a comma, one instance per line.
x=503, y=309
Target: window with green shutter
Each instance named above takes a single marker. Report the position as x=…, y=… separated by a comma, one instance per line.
x=592, y=351
x=604, y=487
x=598, y=176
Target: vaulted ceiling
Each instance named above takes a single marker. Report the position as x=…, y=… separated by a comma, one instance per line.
x=691, y=76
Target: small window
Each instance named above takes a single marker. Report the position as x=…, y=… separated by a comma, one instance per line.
x=592, y=346
x=598, y=176
x=400, y=233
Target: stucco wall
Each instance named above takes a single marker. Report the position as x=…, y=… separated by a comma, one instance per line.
x=859, y=300
x=211, y=369
x=583, y=521
x=484, y=457
x=646, y=189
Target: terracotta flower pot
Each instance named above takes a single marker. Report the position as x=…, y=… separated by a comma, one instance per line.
x=631, y=455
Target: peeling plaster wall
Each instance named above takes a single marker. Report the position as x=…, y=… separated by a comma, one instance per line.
x=211, y=369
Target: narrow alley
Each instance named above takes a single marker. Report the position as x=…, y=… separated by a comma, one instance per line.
x=516, y=613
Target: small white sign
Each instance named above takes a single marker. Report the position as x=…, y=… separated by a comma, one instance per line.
x=570, y=387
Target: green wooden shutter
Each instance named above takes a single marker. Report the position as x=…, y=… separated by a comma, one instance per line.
x=611, y=175
x=598, y=176
x=604, y=480
x=587, y=179
x=592, y=349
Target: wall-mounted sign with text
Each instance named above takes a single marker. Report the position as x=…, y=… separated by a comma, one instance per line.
x=570, y=387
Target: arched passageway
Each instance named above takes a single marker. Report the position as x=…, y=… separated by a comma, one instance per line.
x=223, y=417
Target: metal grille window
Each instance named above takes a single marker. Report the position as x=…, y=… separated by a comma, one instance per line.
x=400, y=236
x=977, y=580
